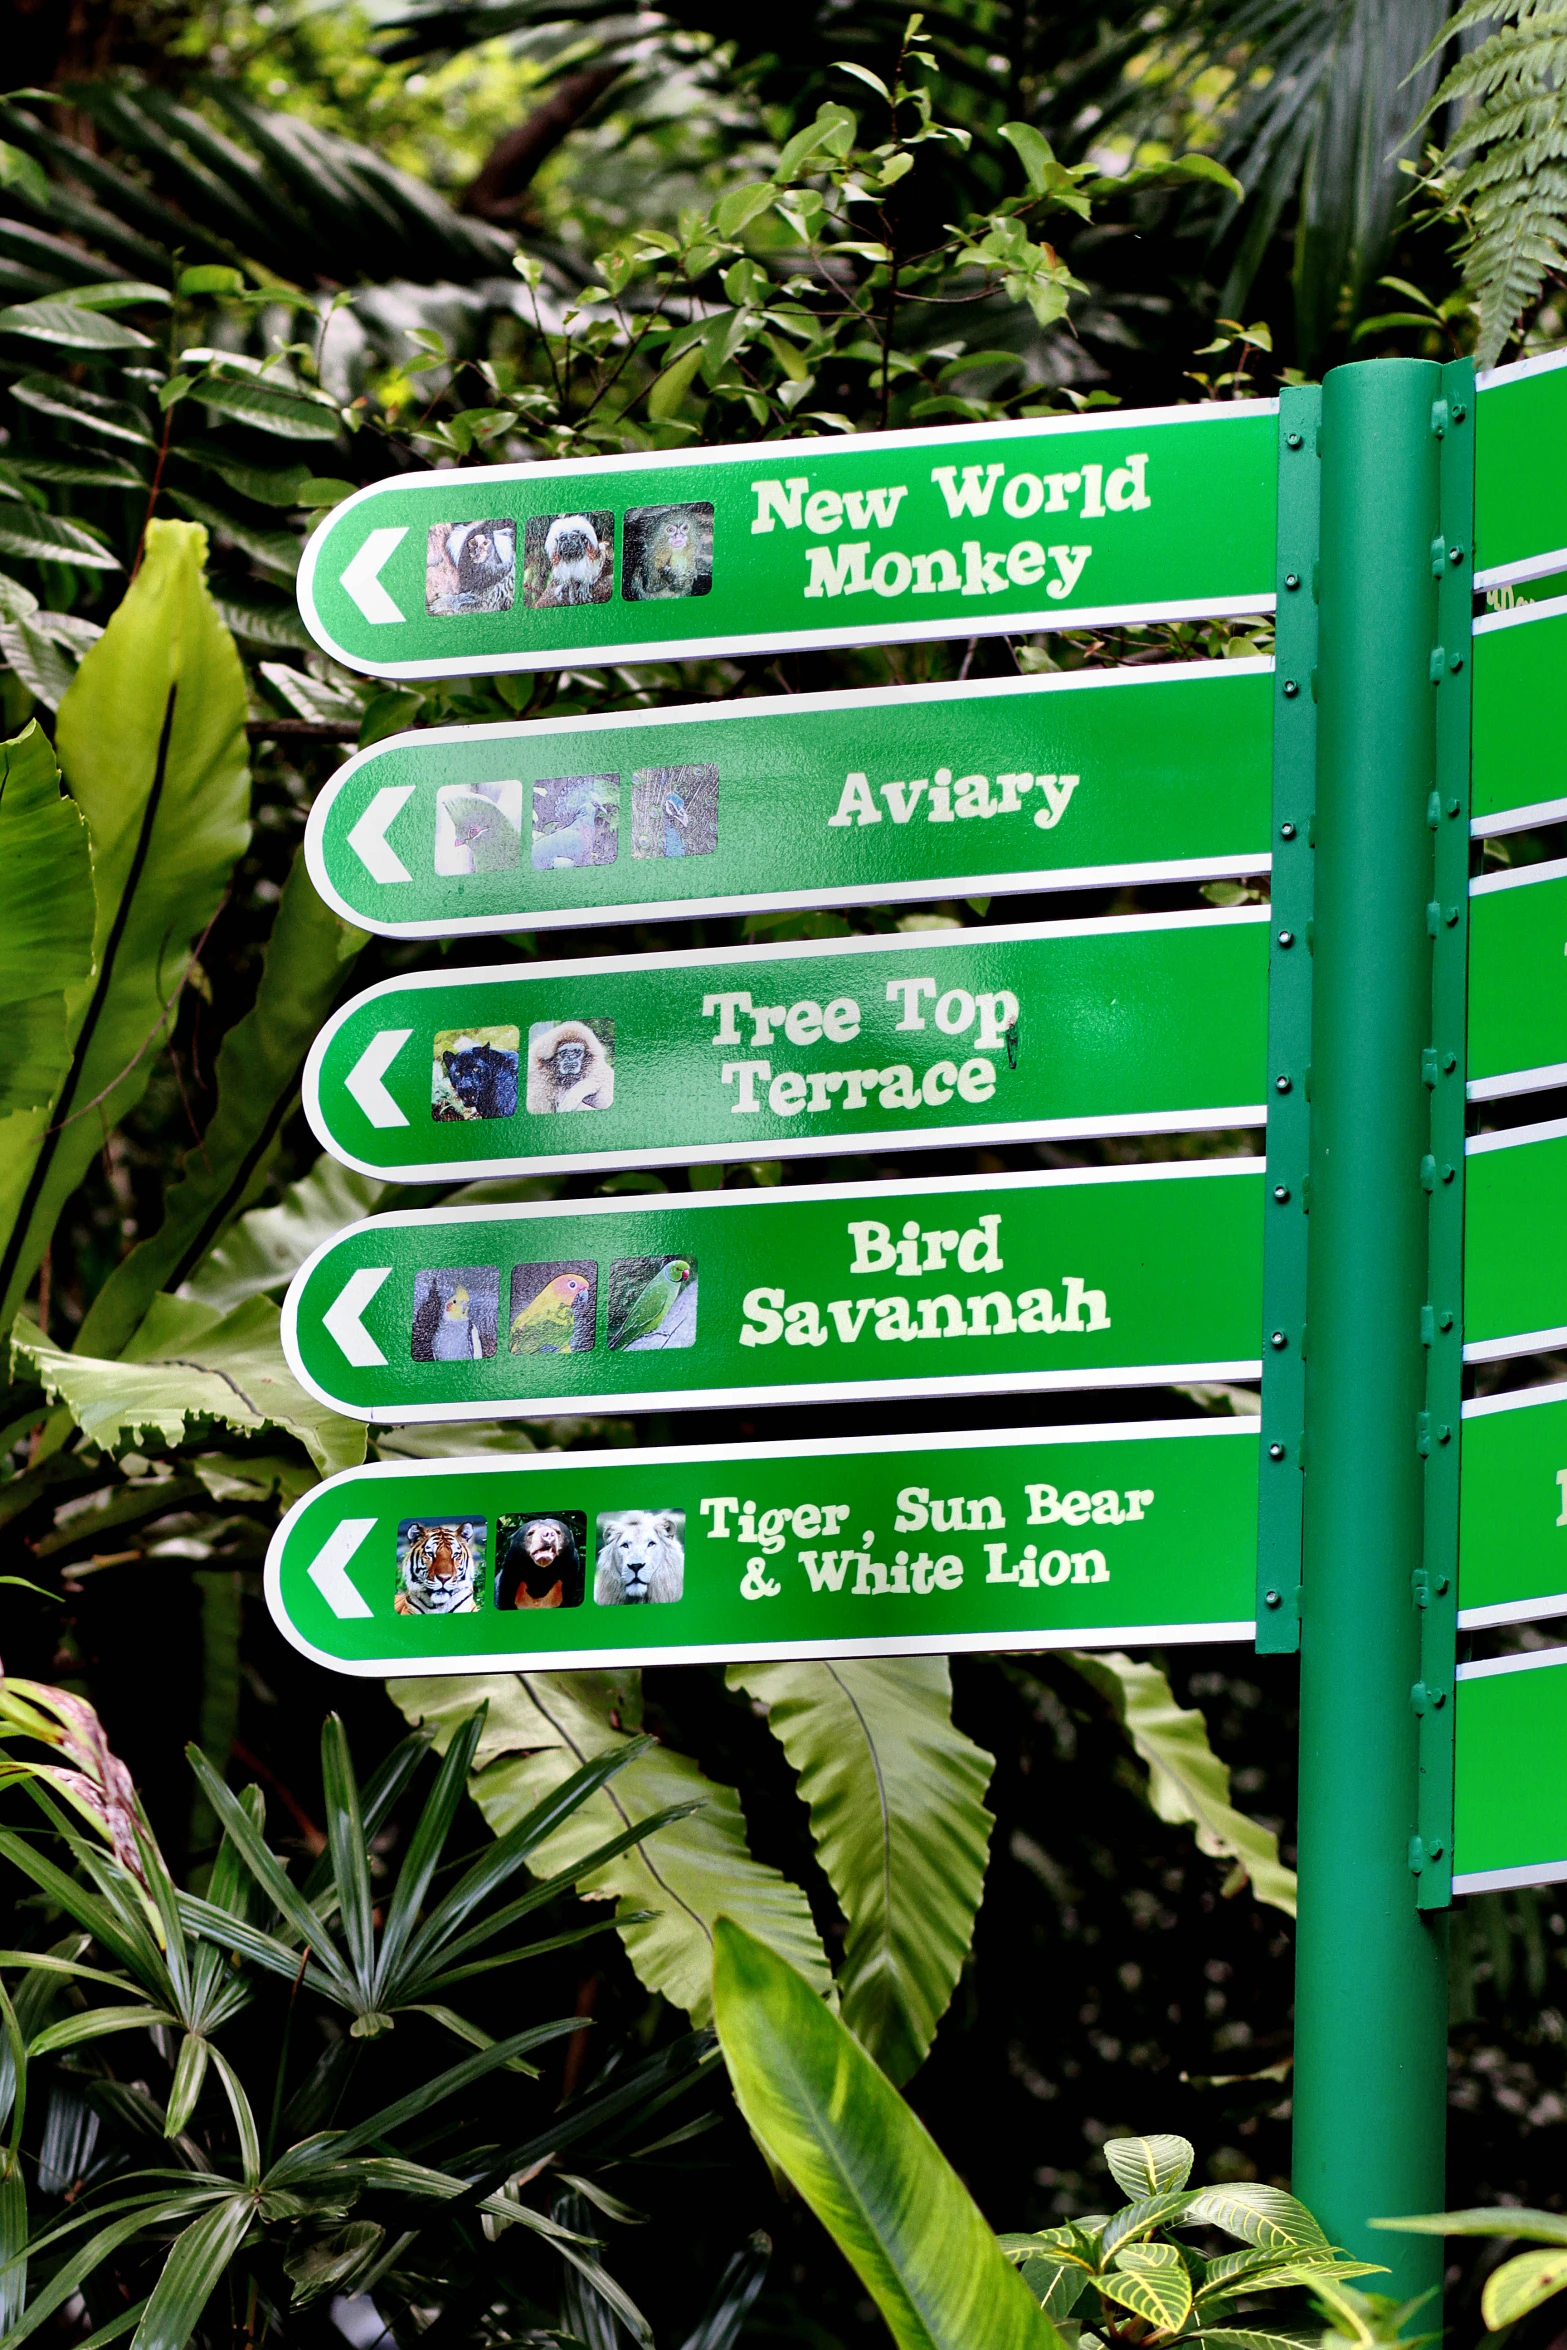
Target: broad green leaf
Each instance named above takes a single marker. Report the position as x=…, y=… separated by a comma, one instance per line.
x=1187, y=1783
x=741, y=206
x=104, y=473
x=308, y=958
x=1258, y=2214
x=45, y=538
x=545, y=1726
x=1136, y=2220
x=275, y=550
x=51, y=320
x=896, y=1796
x=672, y=387
x=267, y=410
x=1056, y=2284
x=869, y=2170
x=46, y=920
x=188, y=1364
x=101, y=419
x=1520, y=2285
x=260, y=1254
x=1250, y=2338
x=151, y=738
x=1153, y=2282
x=196, y=2264
x=1549, y=2227
x=1149, y=2166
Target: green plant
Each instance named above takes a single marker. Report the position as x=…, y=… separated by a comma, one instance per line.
x=1517, y=2285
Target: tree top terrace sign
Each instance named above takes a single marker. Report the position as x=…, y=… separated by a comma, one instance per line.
x=888, y=537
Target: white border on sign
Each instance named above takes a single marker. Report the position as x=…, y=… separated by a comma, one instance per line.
x=725, y=959
x=1509, y=1611
x=806, y=1391
x=1551, y=1073
x=662, y=1456
x=1539, y=811
x=521, y=732
x=1523, y=1342
x=1529, y=566
x=1532, y=1873
x=874, y=630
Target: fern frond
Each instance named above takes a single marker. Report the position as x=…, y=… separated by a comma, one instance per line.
x=1511, y=193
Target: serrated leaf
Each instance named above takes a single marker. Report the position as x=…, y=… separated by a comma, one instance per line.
x=868, y=2169
x=1521, y=2284
x=1258, y=2214
x=1149, y=2166
x=896, y=1797
x=540, y=1729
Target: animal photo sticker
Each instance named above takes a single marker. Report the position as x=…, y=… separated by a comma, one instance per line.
x=456, y=1310
x=568, y=559
x=576, y=821
x=474, y=1073
x=571, y=1065
x=440, y=1566
x=541, y=1558
x=470, y=567
x=652, y=1303
x=552, y=1308
x=668, y=552
x=478, y=828
x=641, y=1557
x=674, y=811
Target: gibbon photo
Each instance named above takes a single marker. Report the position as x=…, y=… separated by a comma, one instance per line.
x=568, y=559
x=668, y=552
x=474, y=1073
x=470, y=567
x=674, y=811
x=571, y=1065
x=455, y=1314
x=576, y=821
x=440, y=1566
x=540, y=1558
x=641, y=1557
x=553, y=1308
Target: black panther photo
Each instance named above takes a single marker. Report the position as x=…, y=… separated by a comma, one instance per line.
x=475, y=1073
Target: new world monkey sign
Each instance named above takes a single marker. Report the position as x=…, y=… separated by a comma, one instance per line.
x=1092, y=779
x=1166, y=513
x=1028, y=1538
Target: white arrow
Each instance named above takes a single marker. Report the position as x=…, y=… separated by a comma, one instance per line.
x=368, y=839
x=328, y=1570
x=341, y=1319
x=364, y=1078
x=362, y=576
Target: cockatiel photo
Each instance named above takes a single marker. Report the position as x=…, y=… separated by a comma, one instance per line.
x=650, y=1308
x=455, y=1338
x=547, y=1323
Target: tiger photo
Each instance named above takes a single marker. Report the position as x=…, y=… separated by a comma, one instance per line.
x=440, y=1566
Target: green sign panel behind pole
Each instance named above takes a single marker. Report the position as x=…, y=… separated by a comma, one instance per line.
x=1515, y=1242
x=1148, y=1024
x=1520, y=483
x=1512, y=1545
x=878, y=539
x=1518, y=981
x=1102, y=1277
x=1520, y=718
x=1100, y=777
x=1022, y=1539
x=1510, y=1812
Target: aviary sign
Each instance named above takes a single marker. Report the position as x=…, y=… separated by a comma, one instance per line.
x=1018, y=1539
x=1095, y=778
x=1148, y=1024
x=1101, y=1277
x=1510, y=1773
x=1512, y=1542
x=977, y=530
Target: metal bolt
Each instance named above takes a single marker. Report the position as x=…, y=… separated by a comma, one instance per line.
x=1278, y=1342
x=1435, y=1846
x=1442, y=1584
x=1439, y=1697
x=1445, y=1320
x=1275, y=1452
x=1449, y=1062
x=1455, y=662
x=1281, y=1085
x=1448, y=1172
x=1271, y=1599
x=1281, y=1192
x=1455, y=554
x=1451, y=917
x=1292, y=579
x=1286, y=939
x=1286, y=832
x=1459, y=412
x=1291, y=689
x=1452, y=807
x=1444, y=1434
x=1292, y=440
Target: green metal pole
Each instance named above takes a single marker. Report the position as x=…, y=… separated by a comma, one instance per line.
x=1371, y=1971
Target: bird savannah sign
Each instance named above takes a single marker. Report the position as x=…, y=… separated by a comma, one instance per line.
x=976, y=530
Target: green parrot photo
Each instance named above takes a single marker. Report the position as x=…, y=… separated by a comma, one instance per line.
x=547, y=1324
x=650, y=1309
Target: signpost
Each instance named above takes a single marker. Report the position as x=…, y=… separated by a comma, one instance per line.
x=1518, y=981
x=1142, y=1025
x=1520, y=718
x=1515, y=1262
x=1104, y=1277
x=1087, y=780
x=1510, y=1823
x=1512, y=1546
x=1520, y=495
x=1019, y=1539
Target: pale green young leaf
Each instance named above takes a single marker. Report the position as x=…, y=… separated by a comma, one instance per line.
x=1521, y=2284
x=1549, y=2227
x=896, y=1797
x=1149, y=2166
x=46, y=920
x=1187, y=1782
x=540, y=1729
x=872, y=2174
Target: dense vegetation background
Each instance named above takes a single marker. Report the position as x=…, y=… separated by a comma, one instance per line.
x=304, y=246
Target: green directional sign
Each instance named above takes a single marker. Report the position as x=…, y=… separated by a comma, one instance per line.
x=1518, y=981
x=1148, y=1024
x=1101, y=1277
x=878, y=539
x=1520, y=484
x=1515, y=1242
x=1020, y=1539
x=1512, y=1545
x=1520, y=718
x=1510, y=1772
x=1099, y=777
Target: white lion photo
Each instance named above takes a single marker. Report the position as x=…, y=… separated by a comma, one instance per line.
x=641, y=1557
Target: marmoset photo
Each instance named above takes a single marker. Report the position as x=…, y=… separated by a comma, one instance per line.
x=540, y=1558
x=470, y=567
x=571, y=1065
x=668, y=552
x=568, y=559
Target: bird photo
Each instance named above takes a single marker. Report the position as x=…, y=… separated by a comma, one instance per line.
x=478, y=829
x=553, y=1309
x=674, y=811
x=576, y=821
x=454, y=1315
x=568, y=559
x=652, y=1303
